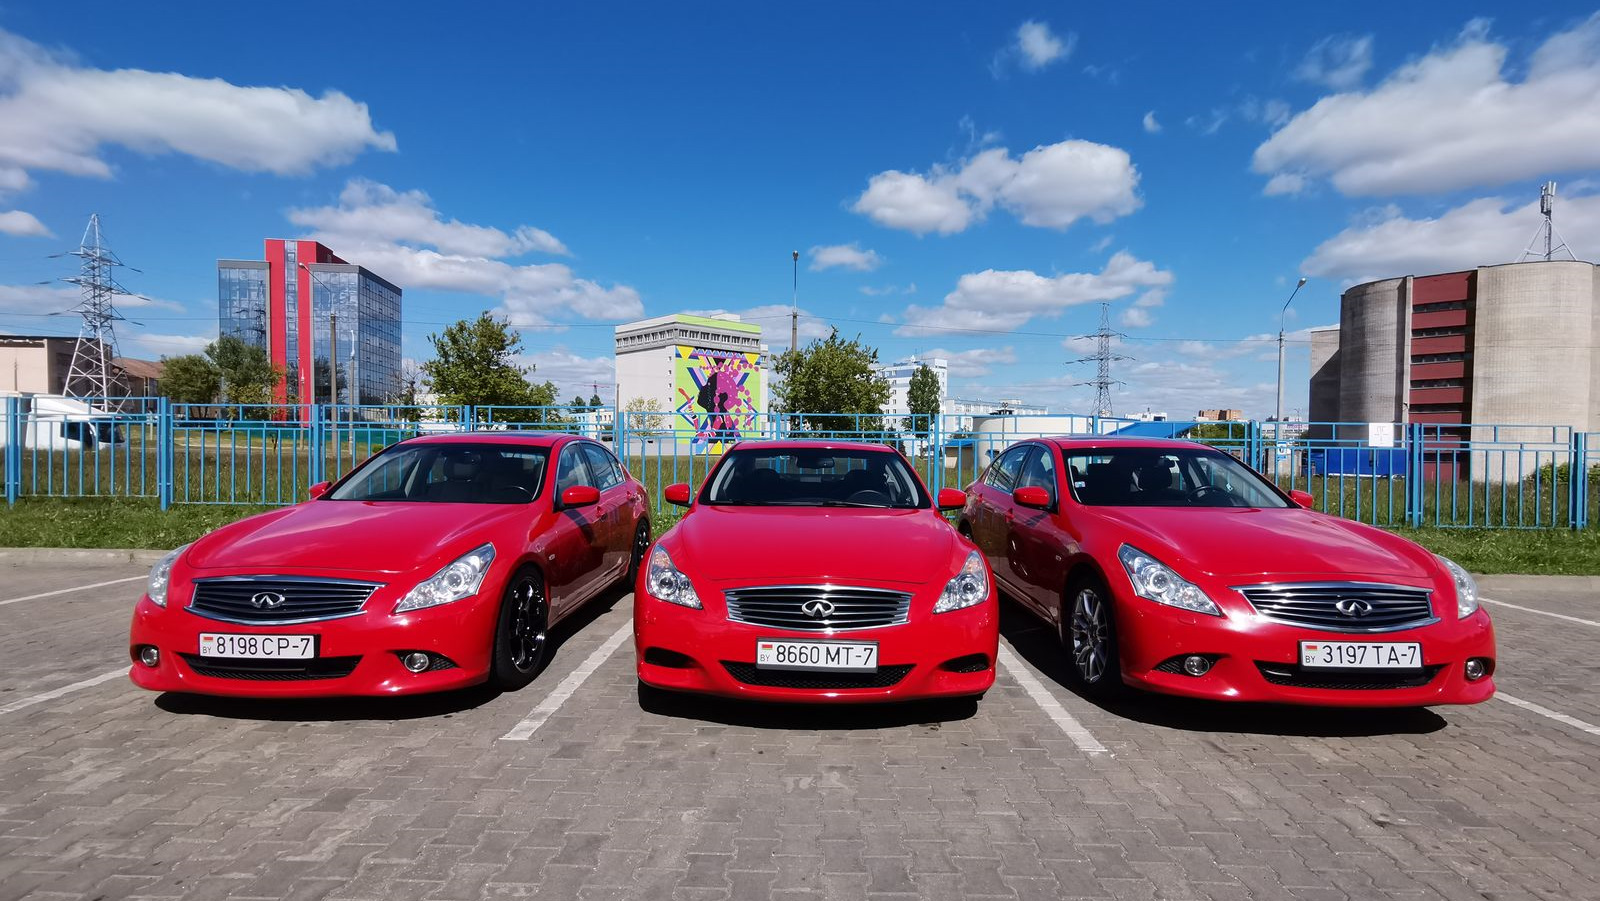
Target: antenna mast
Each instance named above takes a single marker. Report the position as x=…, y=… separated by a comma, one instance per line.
x=92, y=373
x=1103, y=358
x=1547, y=229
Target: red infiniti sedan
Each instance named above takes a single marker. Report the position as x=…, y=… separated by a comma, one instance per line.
x=441, y=562
x=815, y=571
x=1171, y=567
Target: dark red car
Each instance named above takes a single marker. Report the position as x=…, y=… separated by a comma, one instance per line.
x=814, y=571
x=1172, y=567
x=441, y=562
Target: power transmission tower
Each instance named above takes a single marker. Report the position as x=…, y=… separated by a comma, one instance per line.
x=92, y=373
x=1103, y=357
x=1547, y=229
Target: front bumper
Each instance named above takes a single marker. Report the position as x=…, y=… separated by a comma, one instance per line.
x=1258, y=660
x=356, y=656
x=932, y=656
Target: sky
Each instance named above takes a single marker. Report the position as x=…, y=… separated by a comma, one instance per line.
x=961, y=180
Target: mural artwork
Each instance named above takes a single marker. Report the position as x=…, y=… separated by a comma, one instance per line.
x=718, y=392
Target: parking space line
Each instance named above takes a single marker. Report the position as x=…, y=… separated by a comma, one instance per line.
x=64, y=690
x=1069, y=724
x=51, y=594
x=1546, y=712
x=552, y=702
x=1570, y=619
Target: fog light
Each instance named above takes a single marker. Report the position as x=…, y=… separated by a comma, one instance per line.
x=149, y=656
x=1195, y=665
x=1476, y=668
x=416, y=661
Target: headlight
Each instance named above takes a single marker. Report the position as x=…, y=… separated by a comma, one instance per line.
x=665, y=582
x=1466, y=588
x=1155, y=581
x=161, y=577
x=969, y=587
x=461, y=579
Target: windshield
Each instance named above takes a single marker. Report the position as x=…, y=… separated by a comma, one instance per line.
x=791, y=477
x=1157, y=477
x=448, y=474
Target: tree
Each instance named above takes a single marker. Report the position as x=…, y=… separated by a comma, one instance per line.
x=833, y=383
x=475, y=363
x=247, y=372
x=578, y=402
x=595, y=401
x=643, y=415
x=922, y=398
x=190, y=379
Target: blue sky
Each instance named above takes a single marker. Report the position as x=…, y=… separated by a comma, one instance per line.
x=968, y=180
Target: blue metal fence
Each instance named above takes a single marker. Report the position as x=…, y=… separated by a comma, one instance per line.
x=1389, y=474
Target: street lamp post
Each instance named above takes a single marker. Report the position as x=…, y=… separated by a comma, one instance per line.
x=1278, y=430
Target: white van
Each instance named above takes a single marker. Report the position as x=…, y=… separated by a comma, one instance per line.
x=57, y=423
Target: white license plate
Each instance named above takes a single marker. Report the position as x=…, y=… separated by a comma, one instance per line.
x=1360, y=655
x=830, y=656
x=259, y=647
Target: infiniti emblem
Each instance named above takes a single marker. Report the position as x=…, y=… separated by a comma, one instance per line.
x=817, y=608
x=1352, y=607
x=267, y=600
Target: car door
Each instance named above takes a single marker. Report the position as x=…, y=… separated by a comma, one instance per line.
x=989, y=529
x=615, y=526
x=577, y=551
x=1035, y=538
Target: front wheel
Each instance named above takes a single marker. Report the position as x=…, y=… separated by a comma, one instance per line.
x=521, y=638
x=641, y=544
x=1089, y=631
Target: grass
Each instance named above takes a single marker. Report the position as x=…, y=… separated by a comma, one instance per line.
x=1544, y=552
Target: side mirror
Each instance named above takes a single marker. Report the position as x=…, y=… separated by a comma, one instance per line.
x=317, y=490
x=951, y=499
x=1303, y=499
x=580, y=496
x=677, y=494
x=1032, y=496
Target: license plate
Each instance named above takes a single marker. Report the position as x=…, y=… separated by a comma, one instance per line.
x=829, y=656
x=259, y=647
x=1360, y=655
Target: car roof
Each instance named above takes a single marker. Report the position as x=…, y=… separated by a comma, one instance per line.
x=810, y=444
x=1111, y=442
x=531, y=439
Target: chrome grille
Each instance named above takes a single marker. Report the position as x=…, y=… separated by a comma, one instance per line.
x=1315, y=605
x=783, y=607
x=305, y=599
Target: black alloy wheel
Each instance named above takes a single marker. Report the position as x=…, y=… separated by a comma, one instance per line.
x=522, y=639
x=641, y=546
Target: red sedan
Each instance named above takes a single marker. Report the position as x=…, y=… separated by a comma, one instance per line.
x=813, y=571
x=1172, y=567
x=441, y=562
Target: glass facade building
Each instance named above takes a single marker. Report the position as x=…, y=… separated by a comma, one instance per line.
x=331, y=326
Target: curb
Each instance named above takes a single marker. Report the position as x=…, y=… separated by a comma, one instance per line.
x=21, y=555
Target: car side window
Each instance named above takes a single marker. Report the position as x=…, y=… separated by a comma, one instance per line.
x=603, y=467
x=1003, y=474
x=1040, y=472
x=571, y=469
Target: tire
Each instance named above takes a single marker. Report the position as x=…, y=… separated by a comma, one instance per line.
x=641, y=544
x=521, y=637
x=1089, y=636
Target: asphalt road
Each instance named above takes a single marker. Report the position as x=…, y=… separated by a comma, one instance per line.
x=570, y=789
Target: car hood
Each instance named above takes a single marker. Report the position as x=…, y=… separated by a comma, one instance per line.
x=1255, y=544
x=357, y=536
x=794, y=545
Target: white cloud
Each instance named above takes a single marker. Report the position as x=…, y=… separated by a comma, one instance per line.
x=1453, y=119
x=1485, y=231
x=1037, y=46
x=23, y=225
x=844, y=256
x=574, y=373
x=1050, y=186
x=402, y=238
x=1338, y=61
x=994, y=300
x=774, y=321
x=1136, y=317
x=37, y=299
x=144, y=345
x=972, y=363
x=57, y=115
x=1150, y=123
x=888, y=290
x=1101, y=244
x=1285, y=183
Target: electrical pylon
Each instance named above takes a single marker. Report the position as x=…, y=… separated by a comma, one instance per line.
x=92, y=373
x=1103, y=357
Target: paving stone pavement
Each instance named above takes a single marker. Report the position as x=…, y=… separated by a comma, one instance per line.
x=111, y=792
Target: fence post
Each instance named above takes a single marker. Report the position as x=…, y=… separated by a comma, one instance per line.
x=165, y=452
x=318, y=461
x=1578, y=481
x=1416, y=479
x=14, y=439
x=936, y=451
x=469, y=417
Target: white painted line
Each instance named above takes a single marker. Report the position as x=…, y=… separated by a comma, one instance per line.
x=1069, y=724
x=64, y=690
x=1570, y=619
x=1546, y=712
x=51, y=594
x=535, y=718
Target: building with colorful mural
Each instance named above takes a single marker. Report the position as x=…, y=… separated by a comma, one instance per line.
x=707, y=377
